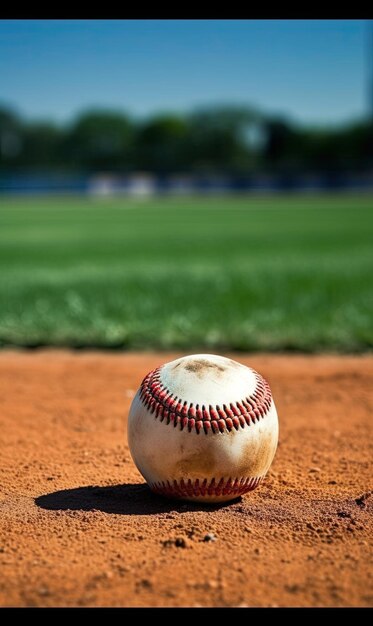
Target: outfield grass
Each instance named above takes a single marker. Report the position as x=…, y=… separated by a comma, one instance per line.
x=237, y=273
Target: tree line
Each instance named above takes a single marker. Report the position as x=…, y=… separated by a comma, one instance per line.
x=218, y=140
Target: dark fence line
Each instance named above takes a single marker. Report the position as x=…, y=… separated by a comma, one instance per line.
x=148, y=184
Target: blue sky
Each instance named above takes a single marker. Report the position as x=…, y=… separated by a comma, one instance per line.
x=310, y=70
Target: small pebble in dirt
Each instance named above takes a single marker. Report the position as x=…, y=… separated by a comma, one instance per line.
x=209, y=537
x=360, y=501
x=314, y=470
x=213, y=584
x=292, y=588
x=43, y=591
x=180, y=542
x=240, y=509
x=146, y=583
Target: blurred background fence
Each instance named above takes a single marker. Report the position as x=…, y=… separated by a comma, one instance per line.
x=215, y=149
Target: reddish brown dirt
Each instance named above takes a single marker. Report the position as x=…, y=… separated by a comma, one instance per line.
x=79, y=528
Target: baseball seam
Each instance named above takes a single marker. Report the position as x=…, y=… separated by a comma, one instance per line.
x=214, y=488
x=170, y=409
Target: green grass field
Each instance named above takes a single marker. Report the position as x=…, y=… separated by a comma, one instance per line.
x=242, y=273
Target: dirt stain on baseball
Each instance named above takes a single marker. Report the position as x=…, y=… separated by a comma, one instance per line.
x=201, y=366
x=257, y=455
x=197, y=464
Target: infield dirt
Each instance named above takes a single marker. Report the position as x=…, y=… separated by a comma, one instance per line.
x=78, y=527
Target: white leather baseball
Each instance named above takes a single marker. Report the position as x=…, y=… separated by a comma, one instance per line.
x=203, y=428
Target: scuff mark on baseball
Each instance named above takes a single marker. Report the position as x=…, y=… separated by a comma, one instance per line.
x=203, y=428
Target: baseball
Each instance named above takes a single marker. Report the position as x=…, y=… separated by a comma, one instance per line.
x=203, y=428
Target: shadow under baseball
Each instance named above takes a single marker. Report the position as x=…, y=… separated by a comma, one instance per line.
x=126, y=499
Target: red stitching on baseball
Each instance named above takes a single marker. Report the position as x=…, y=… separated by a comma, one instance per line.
x=197, y=488
x=160, y=401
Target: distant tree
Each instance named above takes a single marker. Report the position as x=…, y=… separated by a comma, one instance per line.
x=345, y=148
x=220, y=140
x=283, y=149
x=11, y=139
x=100, y=140
x=355, y=146
x=161, y=144
x=215, y=140
x=42, y=147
